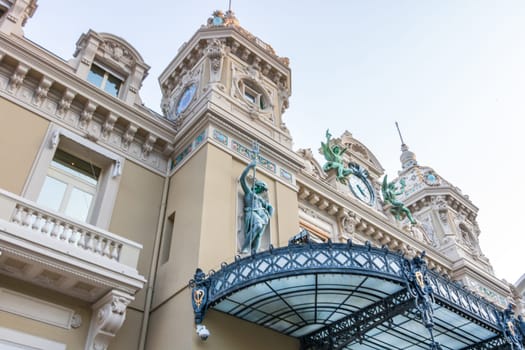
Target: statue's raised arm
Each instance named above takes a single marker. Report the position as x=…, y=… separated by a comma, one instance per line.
x=257, y=211
x=245, y=172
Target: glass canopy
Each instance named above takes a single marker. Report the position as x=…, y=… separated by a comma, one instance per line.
x=344, y=296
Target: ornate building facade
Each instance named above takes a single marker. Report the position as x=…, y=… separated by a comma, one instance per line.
x=108, y=209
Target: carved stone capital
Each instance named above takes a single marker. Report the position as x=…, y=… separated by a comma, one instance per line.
x=109, y=314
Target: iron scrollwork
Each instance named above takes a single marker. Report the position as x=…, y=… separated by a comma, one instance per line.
x=512, y=328
x=418, y=285
x=199, y=295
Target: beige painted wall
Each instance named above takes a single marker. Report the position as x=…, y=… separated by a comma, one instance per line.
x=185, y=198
x=128, y=336
x=136, y=214
x=286, y=214
x=73, y=338
x=22, y=136
x=203, y=194
x=172, y=327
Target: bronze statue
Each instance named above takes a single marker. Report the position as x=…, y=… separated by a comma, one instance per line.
x=398, y=208
x=334, y=158
x=257, y=211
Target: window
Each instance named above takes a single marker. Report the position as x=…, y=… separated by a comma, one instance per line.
x=75, y=177
x=253, y=93
x=167, y=237
x=104, y=80
x=70, y=185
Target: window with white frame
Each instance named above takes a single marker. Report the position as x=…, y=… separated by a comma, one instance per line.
x=70, y=185
x=75, y=177
x=105, y=80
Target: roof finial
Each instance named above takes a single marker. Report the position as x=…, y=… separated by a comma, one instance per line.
x=398, y=131
x=229, y=5
x=408, y=158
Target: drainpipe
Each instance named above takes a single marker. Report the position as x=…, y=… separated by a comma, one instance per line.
x=154, y=264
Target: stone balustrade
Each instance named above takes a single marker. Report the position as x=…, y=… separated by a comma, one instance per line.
x=78, y=236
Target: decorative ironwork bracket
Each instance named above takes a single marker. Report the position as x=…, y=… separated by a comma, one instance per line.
x=199, y=295
x=512, y=328
x=419, y=287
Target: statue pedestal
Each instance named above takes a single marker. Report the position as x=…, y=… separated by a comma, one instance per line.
x=331, y=178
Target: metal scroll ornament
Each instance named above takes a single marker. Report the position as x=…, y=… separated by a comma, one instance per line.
x=199, y=295
x=419, y=287
x=512, y=328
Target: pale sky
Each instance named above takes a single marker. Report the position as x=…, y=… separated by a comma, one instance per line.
x=452, y=73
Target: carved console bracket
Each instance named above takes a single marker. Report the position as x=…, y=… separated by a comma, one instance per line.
x=109, y=314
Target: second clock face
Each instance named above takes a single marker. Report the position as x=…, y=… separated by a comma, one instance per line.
x=361, y=188
x=185, y=99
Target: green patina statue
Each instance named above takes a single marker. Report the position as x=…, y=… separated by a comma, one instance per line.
x=334, y=159
x=257, y=211
x=390, y=192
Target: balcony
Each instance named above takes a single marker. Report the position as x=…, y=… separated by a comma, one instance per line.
x=47, y=249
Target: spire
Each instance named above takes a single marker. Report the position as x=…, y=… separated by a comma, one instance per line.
x=408, y=158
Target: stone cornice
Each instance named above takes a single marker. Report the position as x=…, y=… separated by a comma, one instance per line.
x=58, y=71
x=204, y=108
x=61, y=96
x=368, y=222
x=454, y=199
x=236, y=40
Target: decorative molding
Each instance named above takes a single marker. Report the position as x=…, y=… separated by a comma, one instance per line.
x=108, y=125
x=42, y=90
x=118, y=52
x=28, y=341
x=87, y=114
x=215, y=52
x=189, y=149
x=38, y=310
x=109, y=313
x=17, y=78
x=54, y=100
x=128, y=136
x=147, y=146
x=65, y=102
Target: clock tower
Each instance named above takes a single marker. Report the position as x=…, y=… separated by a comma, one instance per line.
x=224, y=90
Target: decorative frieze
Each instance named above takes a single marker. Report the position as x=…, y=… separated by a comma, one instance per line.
x=54, y=100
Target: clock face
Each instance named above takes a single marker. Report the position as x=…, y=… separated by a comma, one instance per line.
x=185, y=99
x=361, y=188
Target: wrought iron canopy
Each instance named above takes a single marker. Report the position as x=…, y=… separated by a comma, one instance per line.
x=345, y=296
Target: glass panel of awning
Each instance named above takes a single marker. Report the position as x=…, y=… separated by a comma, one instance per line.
x=358, y=294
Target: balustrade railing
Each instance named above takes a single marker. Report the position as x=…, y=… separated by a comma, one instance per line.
x=42, y=222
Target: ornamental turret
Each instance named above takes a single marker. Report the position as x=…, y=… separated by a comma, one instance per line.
x=448, y=220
